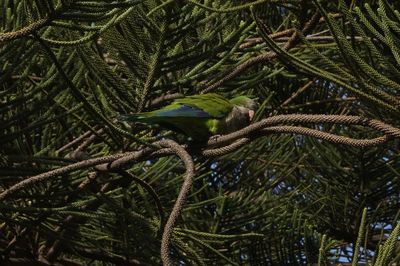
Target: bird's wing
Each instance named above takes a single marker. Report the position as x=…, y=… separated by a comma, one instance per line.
x=168, y=114
x=215, y=105
x=181, y=111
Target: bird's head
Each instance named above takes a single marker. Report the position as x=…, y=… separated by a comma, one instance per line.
x=247, y=103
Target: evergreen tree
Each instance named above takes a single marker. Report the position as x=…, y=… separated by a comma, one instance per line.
x=314, y=181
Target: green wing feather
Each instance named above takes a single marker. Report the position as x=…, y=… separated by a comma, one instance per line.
x=214, y=104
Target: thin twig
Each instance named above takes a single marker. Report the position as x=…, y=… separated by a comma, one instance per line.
x=74, y=141
x=297, y=93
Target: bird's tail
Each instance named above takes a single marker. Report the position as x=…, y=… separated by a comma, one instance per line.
x=130, y=117
x=140, y=117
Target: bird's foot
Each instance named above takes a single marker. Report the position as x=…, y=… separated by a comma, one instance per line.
x=215, y=137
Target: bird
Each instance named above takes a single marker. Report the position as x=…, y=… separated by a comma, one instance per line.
x=200, y=116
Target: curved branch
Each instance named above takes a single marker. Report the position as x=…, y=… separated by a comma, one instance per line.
x=189, y=174
x=66, y=169
x=226, y=149
x=304, y=119
x=362, y=143
x=117, y=161
x=8, y=36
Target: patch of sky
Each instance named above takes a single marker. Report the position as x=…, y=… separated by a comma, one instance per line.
x=300, y=140
x=381, y=225
x=346, y=255
x=225, y=174
x=244, y=256
x=386, y=227
x=281, y=188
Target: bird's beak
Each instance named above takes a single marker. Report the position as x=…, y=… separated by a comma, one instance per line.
x=251, y=114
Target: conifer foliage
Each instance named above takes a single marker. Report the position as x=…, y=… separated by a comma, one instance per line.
x=315, y=181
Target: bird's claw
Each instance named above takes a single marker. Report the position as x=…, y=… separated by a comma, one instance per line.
x=215, y=137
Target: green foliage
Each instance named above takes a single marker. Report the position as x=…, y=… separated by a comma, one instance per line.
x=68, y=68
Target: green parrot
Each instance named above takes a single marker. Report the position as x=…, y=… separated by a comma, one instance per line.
x=201, y=116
